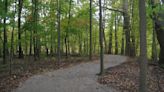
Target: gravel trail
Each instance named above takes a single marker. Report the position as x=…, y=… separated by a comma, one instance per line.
x=80, y=78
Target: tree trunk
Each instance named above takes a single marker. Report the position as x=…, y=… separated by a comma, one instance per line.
x=154, y=45
x=1, y=41
x=123, y=43
x=58, y=30
x=110, y=38
x=80, y=44
x=126, y=27
x=26, y=44
x=159, y=24
x=110, y=43
x=90, y=28
x=143, y=47
x=51, y=47
x=36, y=39
x=133, y=47
x=104, y=25
x=20, y=4
x=31, y=32
x=12, y=47
x=101, y=40
x=116, y=38
x=160, y=37
x=94, y=44
x=5, y=34
x=30, y=51
x=12, y=41
x=68, y=29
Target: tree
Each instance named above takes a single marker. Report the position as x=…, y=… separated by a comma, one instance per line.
x=126, y=27
x=123, y=43
x=104, y=25
x=35, y=26
x=143, y=47
x=111, y=34
x=58, y=29
x=158, y=20
x=68, y=29
x=101, y=39
x=5, y=32
x=12, y=38
x=154, y=45
x=20, y=4
x=90, y=50
x=133, y=39
x=116, y=38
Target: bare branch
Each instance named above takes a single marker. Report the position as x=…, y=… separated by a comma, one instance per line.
x=116, y=10
x=111, y=9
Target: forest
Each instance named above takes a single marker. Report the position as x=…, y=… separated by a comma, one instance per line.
x=121, y=37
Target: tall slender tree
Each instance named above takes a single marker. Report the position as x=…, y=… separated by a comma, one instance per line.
x=20, y=4
x=58, y=29
x=111, y=34
x=90, y=50
x=5, y=33
x=1, y=38
x=36, y=38
x=133, y=39
x=143, y=47
x=12, y=39
x=154, y=46
x=101, y=39
x=116, y=38
x=68, y=29
x=104, y=24
x=126, y=27
x=123, y=43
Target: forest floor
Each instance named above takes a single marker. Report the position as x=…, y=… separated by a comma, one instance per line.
x=79, y=78
x=125, y=77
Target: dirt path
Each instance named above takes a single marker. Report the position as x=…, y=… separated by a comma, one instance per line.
x=80, y=78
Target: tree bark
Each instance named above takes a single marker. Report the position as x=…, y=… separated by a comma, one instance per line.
x=90, y=28
x=116, y=38
x=58, y=30
x=68, y=29
x=101, y=40
x=36, y=39
x=110, y=41
x=51, y=47
x=133, y=47
x=123, y=43
x=111, y=37
x=126, y=27
x=154, y=45
x=1, y=40
x=20, y=4
x=143, y=47
x=160, y=34
x=26, y=43
x=103, y=26
x=159, y=24
x=30, y=51
x=12, y=48
x=5, y=33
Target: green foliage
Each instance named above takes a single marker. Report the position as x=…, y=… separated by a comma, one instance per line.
x=78, y=29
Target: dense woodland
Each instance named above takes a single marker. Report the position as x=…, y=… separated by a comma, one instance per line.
x=85, y=28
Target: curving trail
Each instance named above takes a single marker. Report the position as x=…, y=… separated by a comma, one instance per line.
x=80, y=78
